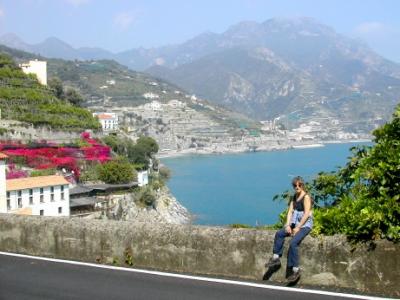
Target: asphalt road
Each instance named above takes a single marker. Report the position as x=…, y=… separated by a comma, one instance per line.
x=27, y=278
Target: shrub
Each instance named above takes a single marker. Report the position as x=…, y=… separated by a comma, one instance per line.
x=116, y=171
x=165, y=174
x=148, y=198
x=90, y=173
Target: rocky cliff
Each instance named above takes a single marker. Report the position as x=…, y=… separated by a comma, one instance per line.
x=128, y=207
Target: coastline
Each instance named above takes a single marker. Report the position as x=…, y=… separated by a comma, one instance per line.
x=261, y=148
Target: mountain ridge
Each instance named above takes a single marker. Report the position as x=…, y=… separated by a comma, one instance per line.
x=297, y=69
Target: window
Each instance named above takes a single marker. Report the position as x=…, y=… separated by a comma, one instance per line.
x=42, y=212
x=62, y=193
x=52, y=193
x=60, y=210
x=30, y=196
x=19, y=199
x=41, y=195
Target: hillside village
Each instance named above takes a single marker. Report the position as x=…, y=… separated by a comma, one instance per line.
x=179, y=129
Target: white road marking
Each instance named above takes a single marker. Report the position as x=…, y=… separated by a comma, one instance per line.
x=199, y=278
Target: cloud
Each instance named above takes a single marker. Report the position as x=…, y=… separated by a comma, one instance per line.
x=77, y=2
x=124, y=20
x=1, y=13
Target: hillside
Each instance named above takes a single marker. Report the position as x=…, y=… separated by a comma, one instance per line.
x=182, y=122
x=105, y=84
x=295, y=70
x=22, y=98
x=187, y=123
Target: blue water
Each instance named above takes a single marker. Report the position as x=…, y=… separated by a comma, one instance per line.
x=238, y=188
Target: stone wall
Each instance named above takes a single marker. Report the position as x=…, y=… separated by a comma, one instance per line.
x=216, y=251
x=21, y=131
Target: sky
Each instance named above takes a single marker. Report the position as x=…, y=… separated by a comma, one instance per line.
x=118, y=25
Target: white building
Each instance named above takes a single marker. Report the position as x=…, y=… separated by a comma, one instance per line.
x=143, y=178
x=151, y=96
x=154, y=106
x=108, y=121
x=176, y=103
x=42, y=195
x=36, y=67
x=3, y=203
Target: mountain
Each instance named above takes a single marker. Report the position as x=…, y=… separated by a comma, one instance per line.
x=292, y=70
x=13, y=41
x=296, y=70
x=55, y=48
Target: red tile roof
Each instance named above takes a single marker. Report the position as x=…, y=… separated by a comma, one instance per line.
x=105, y=116
x=34, y=182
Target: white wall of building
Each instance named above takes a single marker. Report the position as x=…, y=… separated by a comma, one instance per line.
x=143, y=178
x=3, y=206
x=46, y=201
x=36, y=67
x=108, y=121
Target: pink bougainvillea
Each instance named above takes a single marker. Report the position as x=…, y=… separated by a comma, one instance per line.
x=14, y=173
x=45, y=155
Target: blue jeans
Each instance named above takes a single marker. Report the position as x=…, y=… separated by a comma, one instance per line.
x=293, y=255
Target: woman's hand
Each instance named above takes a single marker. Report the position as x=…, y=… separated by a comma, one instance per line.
x=295, y=230
x=288, y=229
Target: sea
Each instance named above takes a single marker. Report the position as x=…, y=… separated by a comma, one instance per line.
x=225, y=189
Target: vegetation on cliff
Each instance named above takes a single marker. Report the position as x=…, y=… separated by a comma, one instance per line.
x=117, y=171
x=362, y=199
x=23, y=98
x=139, y=153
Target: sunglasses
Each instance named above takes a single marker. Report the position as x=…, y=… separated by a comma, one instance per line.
x=297, y=185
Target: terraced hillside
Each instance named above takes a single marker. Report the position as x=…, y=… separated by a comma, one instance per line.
x=23, y=98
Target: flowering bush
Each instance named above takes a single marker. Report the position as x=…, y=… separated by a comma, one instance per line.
x=14, y=173
x=44, y=155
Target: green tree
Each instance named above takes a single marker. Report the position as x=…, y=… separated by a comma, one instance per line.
x=362, y=199
x=73, y=97
x=56, y=85
x=137, y=155
x=117, y=171
x=6, y=61
x=149, y=145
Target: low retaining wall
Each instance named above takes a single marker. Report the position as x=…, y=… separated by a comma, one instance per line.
x=216, y=251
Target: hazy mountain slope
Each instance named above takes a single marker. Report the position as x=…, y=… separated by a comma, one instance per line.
x=55, y=48
x=294, y=69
